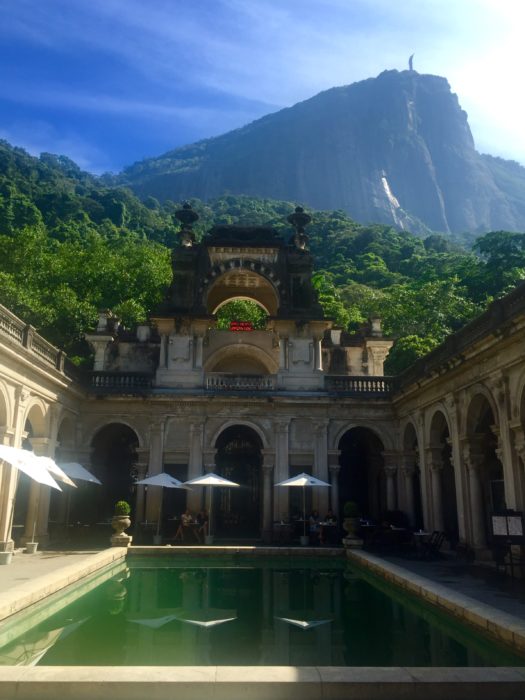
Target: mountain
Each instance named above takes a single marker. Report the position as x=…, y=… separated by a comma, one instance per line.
x=395, y=149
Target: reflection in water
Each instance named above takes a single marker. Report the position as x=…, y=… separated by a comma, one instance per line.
x=323, y=614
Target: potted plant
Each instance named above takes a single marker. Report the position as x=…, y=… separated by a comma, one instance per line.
x=120, y=522
x=351, y=513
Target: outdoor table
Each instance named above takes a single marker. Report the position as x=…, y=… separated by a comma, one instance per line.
x=420, y=539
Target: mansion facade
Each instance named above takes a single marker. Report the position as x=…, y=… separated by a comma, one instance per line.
x=444, y=442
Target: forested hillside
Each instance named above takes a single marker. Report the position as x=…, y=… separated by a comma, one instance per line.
x=70, y=246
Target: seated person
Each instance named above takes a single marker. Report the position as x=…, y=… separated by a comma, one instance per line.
x=186, y=522
x=328, y=528
x=330, y=518
x=202, y=522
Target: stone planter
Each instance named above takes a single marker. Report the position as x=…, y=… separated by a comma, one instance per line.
x=31, y=547
x=350, y=526
x=6, y=557
x=120, y=523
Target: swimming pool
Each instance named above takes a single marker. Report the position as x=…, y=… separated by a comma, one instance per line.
x=173, y=611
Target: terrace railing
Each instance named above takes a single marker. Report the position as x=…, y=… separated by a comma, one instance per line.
x=360, y=386
x=121, y=382
x=240, y=382
x=24, y=335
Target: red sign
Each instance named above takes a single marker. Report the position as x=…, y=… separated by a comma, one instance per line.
x=241, y=326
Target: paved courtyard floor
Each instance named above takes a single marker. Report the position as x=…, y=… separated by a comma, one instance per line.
x=26, y=568
x=482, y=583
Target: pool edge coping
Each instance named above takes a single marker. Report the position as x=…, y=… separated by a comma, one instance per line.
x=21, y=597
x=498, y=624
x=281, y=683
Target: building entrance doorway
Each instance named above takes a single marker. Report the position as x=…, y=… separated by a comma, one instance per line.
x=360, y=478
x=237, y=511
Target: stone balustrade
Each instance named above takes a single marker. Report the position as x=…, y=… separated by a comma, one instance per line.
x=24, y=335
x=121, y=382
x=360, y=386
x=240, y=382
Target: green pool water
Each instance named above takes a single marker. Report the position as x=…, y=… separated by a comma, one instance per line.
x=302, y=613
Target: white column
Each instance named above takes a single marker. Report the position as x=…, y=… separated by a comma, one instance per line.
x=198, y=344
x=500, y=390
x=140, y=494
x=209, y=462
x=195, y=464
x=436, y=470
x=321, y=464
x=155, y=466
x=334, y=491
x=267, y=469
x=391, y=474
x=280, y=501
x=454, y=441
x=519, y=450
x=390, y=470
x=39, y=497
x=318, y=354
x=474, y=463
x=408, y=472
x=8, y=483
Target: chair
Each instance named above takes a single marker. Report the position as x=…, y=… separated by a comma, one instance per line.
x=504, y=557
x=430, y=549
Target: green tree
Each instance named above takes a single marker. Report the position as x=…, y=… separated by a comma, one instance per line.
x=241, y=310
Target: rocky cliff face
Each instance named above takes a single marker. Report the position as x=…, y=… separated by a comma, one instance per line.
x=394, y=149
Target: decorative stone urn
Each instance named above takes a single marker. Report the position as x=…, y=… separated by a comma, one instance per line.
x=350, y=525
x=120, y=522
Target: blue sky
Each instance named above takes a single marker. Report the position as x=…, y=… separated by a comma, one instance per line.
x=109, y=82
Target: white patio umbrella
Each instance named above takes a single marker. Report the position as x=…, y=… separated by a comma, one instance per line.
x=52, y=467
x=37, y=468
x=210, y=479
x=79, y=473
x=20, y=459
x=164, y=481
x=302, y=481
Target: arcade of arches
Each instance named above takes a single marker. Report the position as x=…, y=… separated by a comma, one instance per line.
x=444, y=445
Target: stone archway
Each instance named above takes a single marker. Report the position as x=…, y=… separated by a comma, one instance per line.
x=32, y=498
x=486, y=479
x=113, y=456
x=361, y=477
x=442, y=479
x=243, y=280
x=238, y=511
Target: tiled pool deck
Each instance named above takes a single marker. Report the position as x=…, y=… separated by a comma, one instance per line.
x=493, y=603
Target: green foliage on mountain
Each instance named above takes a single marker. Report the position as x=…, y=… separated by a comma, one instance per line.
x=70, y=245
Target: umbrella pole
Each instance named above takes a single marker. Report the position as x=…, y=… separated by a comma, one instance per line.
x=158, y=519
x=304, y=512
x=209, y=514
